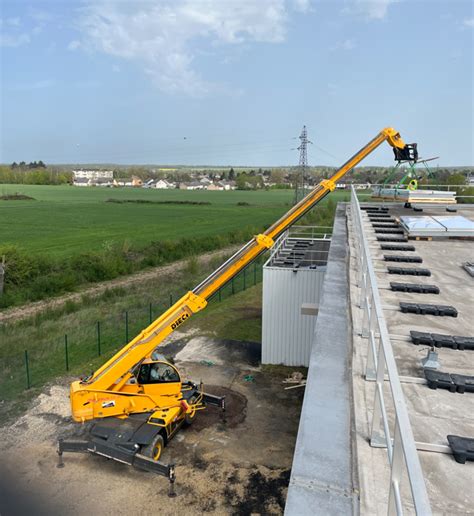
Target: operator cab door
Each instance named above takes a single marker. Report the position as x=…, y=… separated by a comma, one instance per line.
x=157, y=377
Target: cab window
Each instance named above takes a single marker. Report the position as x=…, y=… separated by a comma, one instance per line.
x=157, y=372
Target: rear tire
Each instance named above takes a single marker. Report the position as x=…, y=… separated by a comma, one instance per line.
x=155, y=448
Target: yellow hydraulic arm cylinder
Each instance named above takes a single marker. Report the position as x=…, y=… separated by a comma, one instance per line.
x=114, y=374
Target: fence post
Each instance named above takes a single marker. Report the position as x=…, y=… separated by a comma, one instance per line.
x=171, y=300
x=126, y=327
x=28, y=383
x=66, y=352
x=150, y=313
x=98, y=338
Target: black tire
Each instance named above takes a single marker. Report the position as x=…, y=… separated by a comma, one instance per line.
x=189, y=418
x=155, y=449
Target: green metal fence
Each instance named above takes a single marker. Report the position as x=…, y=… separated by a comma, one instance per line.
x=85, y=347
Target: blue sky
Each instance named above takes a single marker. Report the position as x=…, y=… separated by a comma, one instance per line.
x=231, y=82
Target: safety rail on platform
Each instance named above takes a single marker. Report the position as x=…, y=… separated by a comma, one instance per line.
x=401, y=447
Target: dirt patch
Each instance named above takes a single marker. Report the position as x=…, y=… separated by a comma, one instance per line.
x=145, y=201
x=219, y=352
x=16, y=197
x=235, y=413
x=263, y=493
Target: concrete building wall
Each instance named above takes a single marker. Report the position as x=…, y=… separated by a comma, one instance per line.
x=287, y=334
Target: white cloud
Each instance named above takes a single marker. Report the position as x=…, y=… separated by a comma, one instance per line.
x=164, y=36
x=369, y=9
x=468, y=22
x=14, y=35
x=302, y=6
x=347, y=44
x=74, y=44
x=14, y=40
x=13, y=22
x=37, y=85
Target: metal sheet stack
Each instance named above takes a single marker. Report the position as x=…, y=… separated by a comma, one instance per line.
x=416, y=196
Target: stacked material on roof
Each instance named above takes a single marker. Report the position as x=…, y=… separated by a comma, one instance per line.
x=444, y=226
x=416, y=196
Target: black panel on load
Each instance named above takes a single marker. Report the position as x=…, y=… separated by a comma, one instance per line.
x=390, y=247
x=416, y=288
x=425, y=309
x=379, y=231
x=400, y=258
x=384, y=226
x=463, y=448
x=409, y=271
x=392, y=239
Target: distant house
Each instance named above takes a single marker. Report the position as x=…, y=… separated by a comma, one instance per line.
x=136, y=181
x=162, y=184
x=193, y=185
x=150, y=183
x=228, y=185
x=92, y=177
x=122, y=182
x=81, y=181
x=102, y=182
x=214, y=187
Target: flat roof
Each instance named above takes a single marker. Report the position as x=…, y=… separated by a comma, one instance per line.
x=433, y=413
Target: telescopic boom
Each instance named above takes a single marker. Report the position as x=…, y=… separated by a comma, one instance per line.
x=112, y=377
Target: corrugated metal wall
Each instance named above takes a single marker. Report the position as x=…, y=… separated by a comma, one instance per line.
x=286, y=334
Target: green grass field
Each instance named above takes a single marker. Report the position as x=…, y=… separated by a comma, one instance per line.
x=65, y=220
x=68, y=236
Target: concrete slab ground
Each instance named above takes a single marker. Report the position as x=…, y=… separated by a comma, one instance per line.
x=433, y=413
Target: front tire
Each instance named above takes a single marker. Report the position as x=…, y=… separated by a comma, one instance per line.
x=155, y=448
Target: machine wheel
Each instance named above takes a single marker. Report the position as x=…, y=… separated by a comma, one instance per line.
x=155, y=448
x=189, y=418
